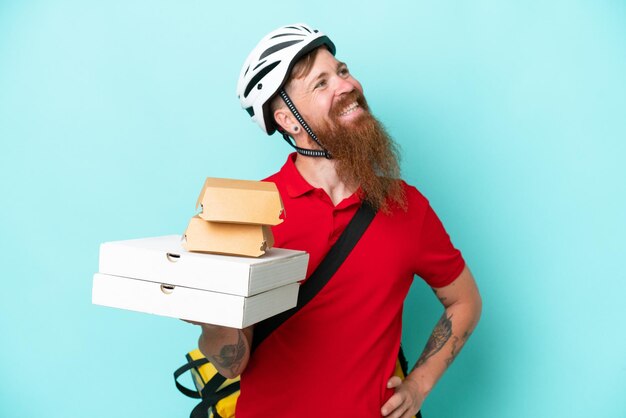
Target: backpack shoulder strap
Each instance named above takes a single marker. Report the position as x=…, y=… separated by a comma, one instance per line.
x=323, y=273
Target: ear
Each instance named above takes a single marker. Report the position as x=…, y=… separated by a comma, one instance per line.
x=284, y=118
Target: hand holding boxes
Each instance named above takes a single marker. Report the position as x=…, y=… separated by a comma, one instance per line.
x=160, y=276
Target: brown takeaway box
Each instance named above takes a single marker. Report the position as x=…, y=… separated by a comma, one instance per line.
x=240, y=201
x=227, y=238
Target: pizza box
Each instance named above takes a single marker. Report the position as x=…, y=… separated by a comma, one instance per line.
x=164, y=260
x=182, y=302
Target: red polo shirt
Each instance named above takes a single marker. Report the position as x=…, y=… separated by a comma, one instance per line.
x=334, y=357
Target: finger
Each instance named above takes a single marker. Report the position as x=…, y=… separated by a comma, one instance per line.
x=399, y=412
x=395, y=381
x=391, y=405
x=408, y=414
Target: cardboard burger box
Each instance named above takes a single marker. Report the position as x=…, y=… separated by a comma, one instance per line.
x=235, y=217
x=240, y=201
x=158, y=276
x=227, y=238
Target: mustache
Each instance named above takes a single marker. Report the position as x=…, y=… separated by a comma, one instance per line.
x=347, y=99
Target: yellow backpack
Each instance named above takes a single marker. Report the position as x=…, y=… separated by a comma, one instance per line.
x=219, y=395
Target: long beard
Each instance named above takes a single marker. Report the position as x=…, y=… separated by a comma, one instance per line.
x=366, y=155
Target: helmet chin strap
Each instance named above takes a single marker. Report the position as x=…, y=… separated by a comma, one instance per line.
x=306, y=152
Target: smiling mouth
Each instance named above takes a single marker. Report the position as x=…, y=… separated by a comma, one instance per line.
x=349, y=109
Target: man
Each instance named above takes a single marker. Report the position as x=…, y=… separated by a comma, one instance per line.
x=336, y=356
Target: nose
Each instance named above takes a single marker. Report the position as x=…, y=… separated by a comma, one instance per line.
x=344, y=86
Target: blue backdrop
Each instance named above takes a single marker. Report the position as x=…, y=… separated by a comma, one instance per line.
x=510, y=116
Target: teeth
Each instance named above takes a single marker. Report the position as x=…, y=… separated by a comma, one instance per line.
x=349, y=109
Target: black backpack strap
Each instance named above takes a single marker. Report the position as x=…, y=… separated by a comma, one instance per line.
x=322, y=274
x=210, y=400
x=191, y=364
x=210, y=396
x=404, y=365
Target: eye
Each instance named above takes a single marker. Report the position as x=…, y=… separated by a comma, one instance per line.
x=343, y=71
x=320, y=84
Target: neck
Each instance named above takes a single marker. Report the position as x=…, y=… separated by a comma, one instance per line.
x=322, y=173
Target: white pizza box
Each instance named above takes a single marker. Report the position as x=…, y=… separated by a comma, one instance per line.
x=191, y=304
x=164, y=260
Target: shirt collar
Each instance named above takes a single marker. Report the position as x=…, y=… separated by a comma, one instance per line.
x=296, y=184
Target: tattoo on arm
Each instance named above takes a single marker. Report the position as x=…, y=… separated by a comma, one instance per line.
x=440, y=336
x=457, y=343
x=230, y=356
x=454, y=351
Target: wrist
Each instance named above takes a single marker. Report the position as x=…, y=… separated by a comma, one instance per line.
x=420, y=382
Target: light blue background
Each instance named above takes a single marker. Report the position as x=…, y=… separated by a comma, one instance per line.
x=510, y=116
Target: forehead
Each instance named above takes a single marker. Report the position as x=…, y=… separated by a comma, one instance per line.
x=324, y=61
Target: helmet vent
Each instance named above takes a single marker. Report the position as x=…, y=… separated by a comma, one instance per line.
x=288, y=34
x=258, y=77
x=259, y=64
x=278, y=47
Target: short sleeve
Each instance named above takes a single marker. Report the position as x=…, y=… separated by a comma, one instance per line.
x=438, y=262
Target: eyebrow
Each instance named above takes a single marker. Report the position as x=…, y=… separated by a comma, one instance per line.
x=325, y=74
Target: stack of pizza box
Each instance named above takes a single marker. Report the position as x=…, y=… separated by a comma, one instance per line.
x=222, y=271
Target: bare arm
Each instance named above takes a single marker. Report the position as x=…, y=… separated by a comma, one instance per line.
x=462, y=307
x=228, y=349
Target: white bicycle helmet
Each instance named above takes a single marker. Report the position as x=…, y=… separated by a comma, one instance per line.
x=268, y=66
